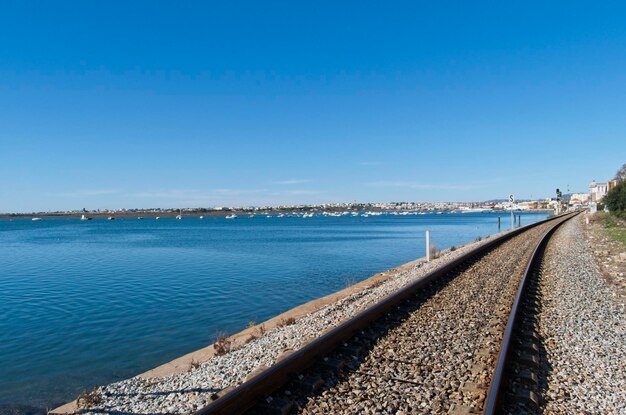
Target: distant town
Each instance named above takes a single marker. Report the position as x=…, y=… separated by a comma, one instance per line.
x=590, y=200
x=329, y=208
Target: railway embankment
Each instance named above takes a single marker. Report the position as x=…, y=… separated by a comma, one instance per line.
x=606, y=237
x=189, y=382
x=581, y=324
x=441, y=355
x=433, y=352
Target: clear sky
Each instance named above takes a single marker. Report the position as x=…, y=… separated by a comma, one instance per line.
x=141, y=104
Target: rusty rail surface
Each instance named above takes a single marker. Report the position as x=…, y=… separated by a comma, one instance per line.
x=494, y=396
x=246, y=395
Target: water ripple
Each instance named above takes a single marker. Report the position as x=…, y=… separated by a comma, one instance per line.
x=89, y=303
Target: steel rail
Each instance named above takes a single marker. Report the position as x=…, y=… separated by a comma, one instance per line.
x=244, y=396
x=494, y=396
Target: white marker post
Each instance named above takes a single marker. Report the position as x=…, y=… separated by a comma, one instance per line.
x=511, y=199
x=427, y=246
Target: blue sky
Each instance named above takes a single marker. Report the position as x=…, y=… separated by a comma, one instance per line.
x=113, y=104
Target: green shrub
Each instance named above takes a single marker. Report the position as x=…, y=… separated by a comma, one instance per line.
x=615, y=200
x=614, y=227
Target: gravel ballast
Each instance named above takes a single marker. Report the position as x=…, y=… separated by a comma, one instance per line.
x=440, y=358
x=187, y=392
x=583, y=326
x=445, y=349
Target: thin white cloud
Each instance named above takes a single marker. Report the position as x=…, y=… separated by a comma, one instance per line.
x=228, y=197
x=424, y=186
x=291, y=182
x=195, y=194
x=300, y=192
x=237, y=192
x=165, y=194
x=88, y=192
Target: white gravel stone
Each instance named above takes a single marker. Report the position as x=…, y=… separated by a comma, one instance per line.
x=583, y=325
x=442, y=353
x=183, y=392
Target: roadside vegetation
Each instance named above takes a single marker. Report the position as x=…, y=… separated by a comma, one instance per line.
x=87, y=399
x=615, y=227
x=615, y=202
x=223, y=344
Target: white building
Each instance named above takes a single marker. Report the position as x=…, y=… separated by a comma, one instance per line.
x=579, y=198
x=597, y=191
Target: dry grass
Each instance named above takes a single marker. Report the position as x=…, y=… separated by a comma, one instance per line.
x=349, y=282
x=89, y=399
x=376, y=283
x=434, y=251
x=148, y=383
x=597, y=217
x=614, y=227
x=222, y=345
x=286, y=322
x=260, y=330
x=194, y=364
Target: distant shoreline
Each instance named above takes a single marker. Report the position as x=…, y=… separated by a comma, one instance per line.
x=213, y=213
x=120, y=215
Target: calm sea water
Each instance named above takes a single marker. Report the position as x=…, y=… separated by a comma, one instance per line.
x=88, y=303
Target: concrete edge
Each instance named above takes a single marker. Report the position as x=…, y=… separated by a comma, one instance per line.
x=183, y=363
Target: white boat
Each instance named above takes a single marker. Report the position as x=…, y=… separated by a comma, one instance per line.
x=233, y=216
x=83, y=217
x=180, y=214
x=201, y=217
x=110, y=218
x=465, y=209
x=139, y=218
x=157, y=218
x=36, y=219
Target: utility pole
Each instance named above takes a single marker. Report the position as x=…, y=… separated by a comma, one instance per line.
x=511, y=199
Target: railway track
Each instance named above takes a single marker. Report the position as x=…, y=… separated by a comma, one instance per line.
x=439, y=345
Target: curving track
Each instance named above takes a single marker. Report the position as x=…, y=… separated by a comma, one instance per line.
x=431, y=348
